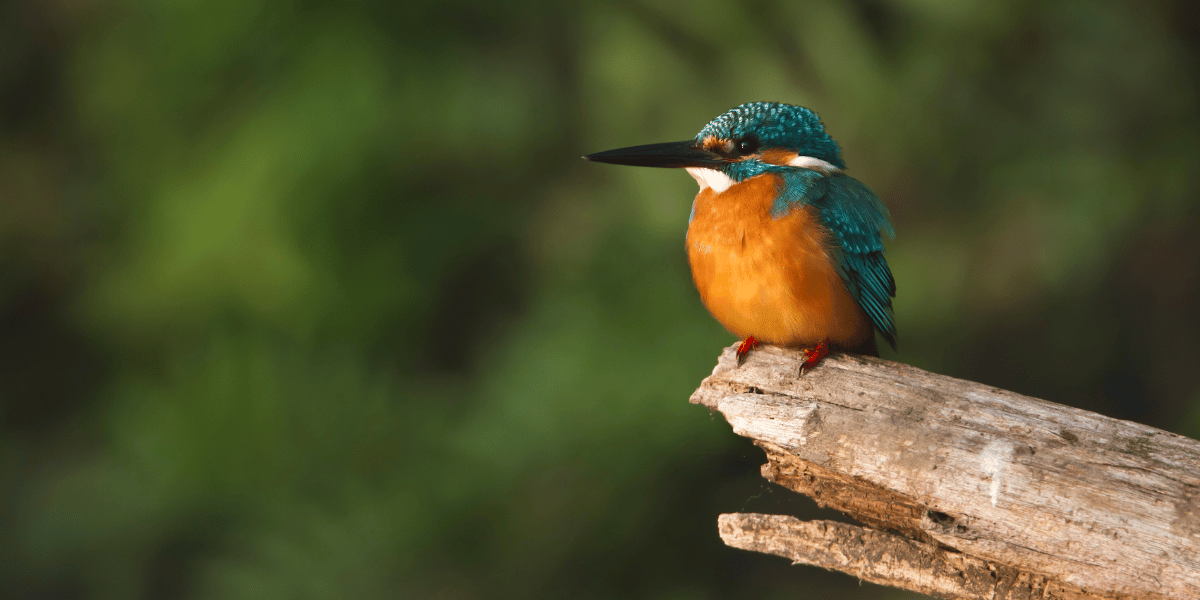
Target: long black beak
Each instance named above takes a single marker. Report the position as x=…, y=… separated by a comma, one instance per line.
x=669, y=155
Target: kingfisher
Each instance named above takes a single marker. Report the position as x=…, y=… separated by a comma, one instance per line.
x=785, y=248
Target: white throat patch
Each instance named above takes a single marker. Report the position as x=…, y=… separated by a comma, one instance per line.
x=710, y=178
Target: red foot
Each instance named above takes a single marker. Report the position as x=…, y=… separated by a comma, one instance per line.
x=744, y=348
x=812, y=356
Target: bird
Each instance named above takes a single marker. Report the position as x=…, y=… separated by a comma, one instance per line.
x=785, y=247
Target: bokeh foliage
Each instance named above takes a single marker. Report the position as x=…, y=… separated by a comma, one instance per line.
x=306, y=300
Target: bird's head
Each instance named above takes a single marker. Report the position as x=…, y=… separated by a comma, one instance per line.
x=749, y=140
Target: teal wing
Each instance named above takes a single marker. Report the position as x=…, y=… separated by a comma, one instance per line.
x=857, y=219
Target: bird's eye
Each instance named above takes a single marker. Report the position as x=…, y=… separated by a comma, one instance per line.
x=747, y=145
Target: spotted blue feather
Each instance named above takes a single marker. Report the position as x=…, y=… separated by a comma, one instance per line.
x=776, y=125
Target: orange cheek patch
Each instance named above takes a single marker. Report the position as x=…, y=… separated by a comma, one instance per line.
x=776, y=156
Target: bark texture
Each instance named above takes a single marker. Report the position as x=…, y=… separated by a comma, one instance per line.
x=965, y=490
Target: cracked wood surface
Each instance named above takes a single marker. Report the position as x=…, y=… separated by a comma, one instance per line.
x=888, y=559
x=1025, y=498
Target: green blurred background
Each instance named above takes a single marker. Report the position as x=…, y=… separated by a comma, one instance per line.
x=317, y=300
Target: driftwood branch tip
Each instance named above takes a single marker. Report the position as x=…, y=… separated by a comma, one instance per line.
x=963, y=490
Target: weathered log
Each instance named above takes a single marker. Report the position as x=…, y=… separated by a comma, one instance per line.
x=965, y=490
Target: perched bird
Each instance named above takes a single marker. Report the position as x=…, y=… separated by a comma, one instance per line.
x=785, y=247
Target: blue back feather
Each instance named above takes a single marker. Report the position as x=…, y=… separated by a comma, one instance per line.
x=857, y=219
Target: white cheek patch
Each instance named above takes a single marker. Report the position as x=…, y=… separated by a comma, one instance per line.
x=711, y=178
x=809, y=162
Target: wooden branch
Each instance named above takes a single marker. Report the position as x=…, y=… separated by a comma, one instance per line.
x=966, y=491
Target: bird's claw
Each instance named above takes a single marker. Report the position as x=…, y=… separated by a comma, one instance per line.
x=813, y=355
x=744, y=349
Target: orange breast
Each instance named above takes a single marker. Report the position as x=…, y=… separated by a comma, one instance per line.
x=770, y=278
